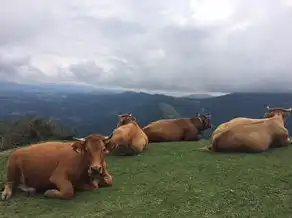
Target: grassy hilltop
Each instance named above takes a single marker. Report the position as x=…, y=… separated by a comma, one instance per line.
x=176, y=180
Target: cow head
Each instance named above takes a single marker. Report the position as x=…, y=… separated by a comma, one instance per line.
x=93, y=147
x=283, y=112
x=125, y=119
x=204, y=121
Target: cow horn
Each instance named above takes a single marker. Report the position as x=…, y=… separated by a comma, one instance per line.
x=271, y=109
x=209, y=115
x=282, y=109
x=107, y=138
x=79, y=139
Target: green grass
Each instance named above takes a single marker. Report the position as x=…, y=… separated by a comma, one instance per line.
x=176, y=180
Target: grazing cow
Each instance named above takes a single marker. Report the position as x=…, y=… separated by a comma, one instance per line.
x=251, y=135
x=128, y=138
x=61, y=166
x=180, y=129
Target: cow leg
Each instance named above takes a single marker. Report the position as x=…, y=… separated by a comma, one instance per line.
x=29, y=191
x=120, y=150
x=190, y=136
x=65, y=187
x=12, y=178
x=7, y=192
x=207, y=148
x=281, y=141
x=137, y=146
x=133, y=149
x=106, y=179
x=284, y=141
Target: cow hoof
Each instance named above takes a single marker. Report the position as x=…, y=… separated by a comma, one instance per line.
x=30, y=192
x=54, y=193
x=6, y=195
x=50, y=193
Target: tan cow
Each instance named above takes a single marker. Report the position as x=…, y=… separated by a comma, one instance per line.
x=180, y=129
x=251, y=135
x=128, y=138
x=57, y=167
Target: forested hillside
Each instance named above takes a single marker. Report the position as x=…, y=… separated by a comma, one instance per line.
x=91, y=112
x=25, y=130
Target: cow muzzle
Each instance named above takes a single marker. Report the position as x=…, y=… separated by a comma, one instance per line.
x=95, y=171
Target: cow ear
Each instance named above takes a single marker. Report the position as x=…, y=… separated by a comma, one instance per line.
x=79, y=147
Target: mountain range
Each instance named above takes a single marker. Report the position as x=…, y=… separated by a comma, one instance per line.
x=96, y=110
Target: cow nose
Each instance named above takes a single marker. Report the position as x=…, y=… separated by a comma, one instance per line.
x=95, y=170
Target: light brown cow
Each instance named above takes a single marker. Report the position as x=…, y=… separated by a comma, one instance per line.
x=58, y=168
x=180, y=129
x=128, y=138
x=251, y=135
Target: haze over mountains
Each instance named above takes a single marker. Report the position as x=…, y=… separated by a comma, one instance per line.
x=95, y=110
x=82, y=88
x=6, y=86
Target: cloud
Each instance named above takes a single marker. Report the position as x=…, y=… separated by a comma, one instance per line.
x=173, y=45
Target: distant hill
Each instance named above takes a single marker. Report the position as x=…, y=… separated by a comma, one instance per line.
x=97, y=112
x=199, y=96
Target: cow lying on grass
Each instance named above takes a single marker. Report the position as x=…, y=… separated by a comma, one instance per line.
x=128, y=138
x=251, y=135
x=180, y=129
x=62, y=166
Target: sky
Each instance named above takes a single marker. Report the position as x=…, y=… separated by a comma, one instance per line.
x=189, y=46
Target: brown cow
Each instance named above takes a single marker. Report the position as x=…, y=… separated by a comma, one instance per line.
x=251, y=135
x=128, y=138
x=62, y=166
x=180, y=129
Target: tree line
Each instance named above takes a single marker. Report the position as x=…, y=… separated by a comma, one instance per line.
x=26, y=130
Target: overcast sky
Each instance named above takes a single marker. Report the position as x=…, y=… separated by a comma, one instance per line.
x=171, y=45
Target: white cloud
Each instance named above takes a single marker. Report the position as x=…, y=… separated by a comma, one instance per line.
x=210, y=12
x=173, y=45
